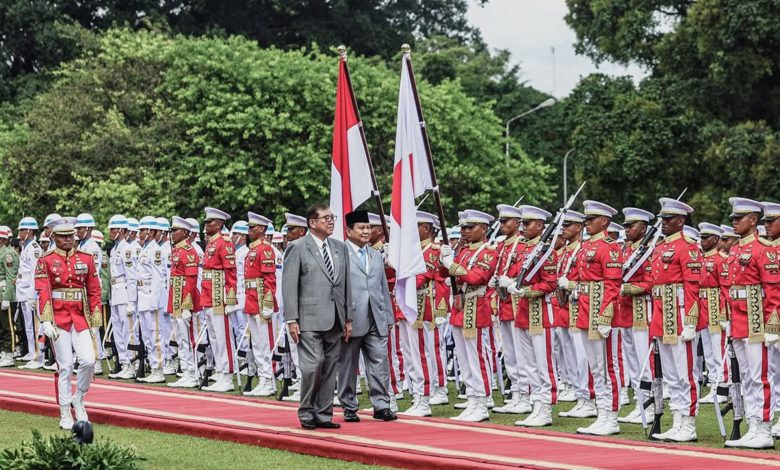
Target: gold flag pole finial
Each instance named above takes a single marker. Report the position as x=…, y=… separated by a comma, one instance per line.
x=406, y=49
x=343, y=51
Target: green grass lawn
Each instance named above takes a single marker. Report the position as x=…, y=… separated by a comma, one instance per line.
x=171, y=451
x=706, y=424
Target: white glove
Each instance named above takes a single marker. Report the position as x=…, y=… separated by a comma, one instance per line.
x=493, y=283
x=267, y=313
x=624, y=289
x=130, y=308
x=5, y=305
x=516, y=291
x=439, y=320
x=50, y=331
x=771, y=338
x=493, y=318
x=563, y=282
x=231, y=308
x=688, y=332
x=505, y=281
x=186, y=314
x=724, y=325
x=446, y=259
x=445, y=250
x=604, y=330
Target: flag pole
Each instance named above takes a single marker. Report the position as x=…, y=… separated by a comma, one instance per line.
x=343, y=58
x=407, y=52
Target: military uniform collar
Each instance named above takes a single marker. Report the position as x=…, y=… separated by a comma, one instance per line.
x=673, y=237
x=573, y=245
x=512, y=239
x=182, y=244
x=214, y=237
x=534, y=241
x=599, y=236
x=256, y=243
x=476, y=245
x=425, y=243
x=64, y=253
x=636, y=244
x=745, y=240
x=712, y=252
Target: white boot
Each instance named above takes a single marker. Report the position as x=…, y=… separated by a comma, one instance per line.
x=758, y=436
x=508, y=404
x=575, y=408
x=156, y=377
x=32, y=365
x=187, y=380
x=471, y=403
x=295, y=397
x=169, y=368
x=6, y=360
x=420, y=408
x=440, y=397
x=637, y=419
x=676, y=423
x=411, y=410
x=686, y=432
x=609, y=425
x=223, y=384
x=541, y=417
x=78, y=406
x=596, y=425
x=264, y=388
x=624, y=396
x=635, y=414
x=522, y=406
x=66, y=419
x=776, y=429
x=708, y=398
x=462, y=405
x=99, y=367
x=480, y=411
x=587, y=410
x=567, y=395
x=127, y=372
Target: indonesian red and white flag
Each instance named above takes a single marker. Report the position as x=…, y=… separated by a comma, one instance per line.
x=411, y=178
x=350, y=177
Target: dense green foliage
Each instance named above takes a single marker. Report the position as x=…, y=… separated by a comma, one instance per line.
x=148, y=123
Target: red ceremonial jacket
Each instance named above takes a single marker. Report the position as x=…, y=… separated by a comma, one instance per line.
x=712, y=307
x=536, y=290
x=473, y=268
x=639, y=285
x=436, y=293
x=507, y=258
x=260, y=278
x=599, y=272
x=219, y=267
x=68, y=289
x=183, y=290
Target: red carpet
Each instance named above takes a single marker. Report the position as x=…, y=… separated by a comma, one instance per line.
x=408, y=442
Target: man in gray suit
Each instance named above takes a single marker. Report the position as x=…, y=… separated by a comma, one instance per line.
x=371, y=321
x=318, y=310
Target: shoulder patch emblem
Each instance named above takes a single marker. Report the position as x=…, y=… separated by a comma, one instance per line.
x=614, y=255
x=694, y=254
x=771, y=256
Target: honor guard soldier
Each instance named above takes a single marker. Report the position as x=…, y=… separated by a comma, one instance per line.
x=85, y=224
x=675, y=273
x=218, y=291
x=9, y=266
x=599, y=270
x=150, y=285
x=633, y=315
x=47, y=231
x=122, y=310
x=166, y=324
x=260, y=279
x=510, y=250
x=238, y=235
x=754, y=280
x=25, y=289
x=473, y=268
x=712, y=308
x=69, y=301
x=574, y=357
x=184, y=300
x=772, y=224
x=534, y=338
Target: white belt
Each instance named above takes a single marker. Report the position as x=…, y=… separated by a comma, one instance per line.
x=250, y=284
x=74, y=296
x=118, y=281
x=207, y=274
x=740, y=293
x=142, y=283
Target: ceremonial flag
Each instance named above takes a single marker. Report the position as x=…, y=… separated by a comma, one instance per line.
x=350, y=177
x=411, y=178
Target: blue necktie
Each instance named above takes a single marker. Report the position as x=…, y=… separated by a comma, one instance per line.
x=362, y=253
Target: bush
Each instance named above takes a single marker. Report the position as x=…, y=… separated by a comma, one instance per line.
x=60, y=451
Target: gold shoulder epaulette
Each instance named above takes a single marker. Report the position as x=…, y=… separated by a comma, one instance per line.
x=764, y=241
x=689, y=240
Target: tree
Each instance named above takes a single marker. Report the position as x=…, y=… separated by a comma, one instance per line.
x=148, y=123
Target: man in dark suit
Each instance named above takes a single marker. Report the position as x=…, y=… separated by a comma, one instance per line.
x=372, y=318
x=318, y=310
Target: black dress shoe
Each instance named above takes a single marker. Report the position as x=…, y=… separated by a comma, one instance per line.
x=308, y=424
x=385, y=415
x=327, y=425
x=351, y=416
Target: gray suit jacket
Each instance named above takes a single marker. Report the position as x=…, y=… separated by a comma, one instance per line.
x=369, y=288
x=308, y=293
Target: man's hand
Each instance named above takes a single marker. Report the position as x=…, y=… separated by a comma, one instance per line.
x=50, y=331
x=563, y=283
x=439, y=320
x=493, y=283
x=130, y=308
x=604, y=330
x=688, y=333
x=505, y=281
x=267, y=313
x=770, y=339
x=186, y=315
x=5, y=305
x=724, y=325
x=446, y=257
x=294, y=330
x=347, y=331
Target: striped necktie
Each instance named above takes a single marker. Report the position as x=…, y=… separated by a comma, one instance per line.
x=326, y=257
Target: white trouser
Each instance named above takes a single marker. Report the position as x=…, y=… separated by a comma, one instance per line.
x=713, y=346
x=84, y=347
x=575, y=361
x=435, y=349
x=415, y=350
x=601, y=360
x=773, y=354
x=636, y=350
x=678, y=364
x=489, y=345
x=166, y=329
x=151, y=322
x=121, y=331
x=518, y=376
x=239, y=323
x=31, y=326
x=393, y=349
x=473, y=361
x=536, y=354
x=221, y=341
x=263, y=335
x=185, y=337
x=753, y=371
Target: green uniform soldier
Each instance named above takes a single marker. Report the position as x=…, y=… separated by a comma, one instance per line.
x=9, y=265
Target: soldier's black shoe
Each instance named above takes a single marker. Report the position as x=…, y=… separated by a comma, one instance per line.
x=351, y=416
x=385, y=415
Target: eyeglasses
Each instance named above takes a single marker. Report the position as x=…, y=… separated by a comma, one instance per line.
x=328, y=218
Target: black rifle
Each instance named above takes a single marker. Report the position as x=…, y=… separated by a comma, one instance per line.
x=287, y=372
x=735, y=404
x=657, y=388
